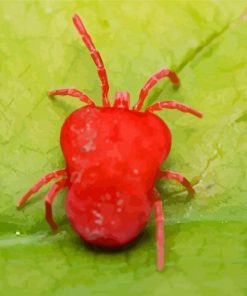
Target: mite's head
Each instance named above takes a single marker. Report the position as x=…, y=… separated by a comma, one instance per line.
x=122, y=100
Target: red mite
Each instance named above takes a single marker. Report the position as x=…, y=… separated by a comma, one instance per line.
x=113, y=156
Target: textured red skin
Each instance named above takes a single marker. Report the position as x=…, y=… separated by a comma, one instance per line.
x=112, y=158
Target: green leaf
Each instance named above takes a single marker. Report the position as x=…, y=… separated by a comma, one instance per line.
x=206, y=43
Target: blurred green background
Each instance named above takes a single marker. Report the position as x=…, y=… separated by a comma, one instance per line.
x=206, y=241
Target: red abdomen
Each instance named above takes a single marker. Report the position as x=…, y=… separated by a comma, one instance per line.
x=112, y=157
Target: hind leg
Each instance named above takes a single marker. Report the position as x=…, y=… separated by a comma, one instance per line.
x=59, y=185
x=178, y=177
x=160, y=234
x=173, y=105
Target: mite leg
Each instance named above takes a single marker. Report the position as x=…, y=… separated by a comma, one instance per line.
x=47, y=178
x=96, y=58
x=160, y=237
x=178, y=177
x=151, y=82
x=173, y=105
x=59, y=185
x=73, y=93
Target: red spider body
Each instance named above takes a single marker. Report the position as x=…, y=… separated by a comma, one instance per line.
x=113, y=156
x=105, y=149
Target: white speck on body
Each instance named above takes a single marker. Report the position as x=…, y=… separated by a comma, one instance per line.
x=96, y=233
x=136, y=171
x=74, y=129
x=119, y=210
x=120, y=202
x=99, y=222
x=17, y=233
x=74, y=159
x=96, y=214
x=99, y=217
x=88, y=147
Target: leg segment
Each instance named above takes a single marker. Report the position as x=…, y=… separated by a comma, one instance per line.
x=173, y=105
x=96, y=58
x=59, y=185
x=47, y=178
x=160, y=237
x=178, y=177
x=73, y=93
x=151, y=82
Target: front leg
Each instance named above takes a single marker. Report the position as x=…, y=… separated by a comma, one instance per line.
x=73, y=93
x=162, y=73
x=178, y=177
x=173, y=105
